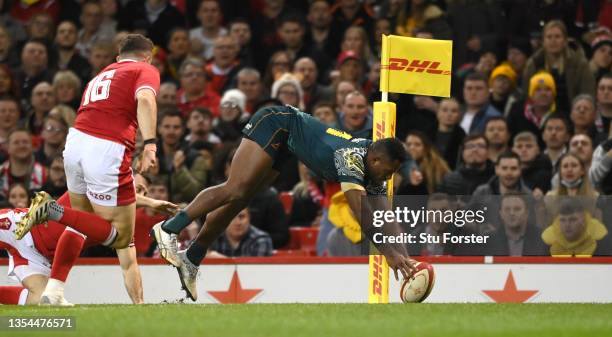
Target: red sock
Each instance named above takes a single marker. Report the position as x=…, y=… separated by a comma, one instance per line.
x=91, y=225
x=68, y=250
x=13, y=295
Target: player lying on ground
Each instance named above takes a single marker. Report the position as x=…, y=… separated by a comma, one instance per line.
x=33, y=252
x=361, y=166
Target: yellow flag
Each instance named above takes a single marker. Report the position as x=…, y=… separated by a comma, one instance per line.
x=416, y=66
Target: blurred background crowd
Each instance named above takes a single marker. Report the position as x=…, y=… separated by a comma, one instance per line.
x=529, y=117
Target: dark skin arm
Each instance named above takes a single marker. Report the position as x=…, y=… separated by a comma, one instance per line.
x=396, y=255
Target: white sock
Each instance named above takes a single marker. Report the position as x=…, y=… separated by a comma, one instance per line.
x=54, y=286
x=23, y=297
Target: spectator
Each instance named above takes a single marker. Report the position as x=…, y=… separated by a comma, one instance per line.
x=498, y=136
x=600, y=62
x=279, y=63
x=194, y=91
x=355, y=117
x=568, y=68
x=320, y=32
x=573, y=178
x=474, y=170
x=110, y=10
x=8, y=54
x=178, y=47
x=56, y=182
x=101, y=55
x=536, y=168
x=517, y=235
x=64, y=112
x=225, y=64
x=155, y=17
x=8, y=85
x=67, y=88
x=53, y=134
x=325, y=113
x=167, y=94
x=350, y=68
x=448, y=136
x=229, y=125
x=291, y=32
x=43, y=100
x=342, y=89
x=555, y=136
x=189, y=172
x=240, y=30
x=21, y=166
x=68, y=56
x=34, y=67
x=507, y=177
x=583, y=117
x=423, y=16
x=576, y=233
x=477, y=107
x=604, y=104
x=435, y=227
x=431, y=167
x=531, y=114
x=249, y=82
x=288, y=90
x=10, y=25
x=313, y=91
x=352, y=13
x=307, y=200
x=41, y=26
x=91, y=23
x=503, y=83
x=200, y=123
x=242, y=239
x=147, y=217
x=18, y=196
x=519, y=51
x=382, y=27
x=204, y=37
x=9, y=117
x=170, y=128
x=600, y=172
x=582, y=146
x=356, y=40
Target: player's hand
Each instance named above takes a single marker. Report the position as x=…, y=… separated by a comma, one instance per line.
x=403, y=264
x=178, y=160
x=165, y=207
x=148, y=160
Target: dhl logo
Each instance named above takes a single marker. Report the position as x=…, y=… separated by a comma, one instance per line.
x=380, y=130
x=417, y=66
x=377, y=270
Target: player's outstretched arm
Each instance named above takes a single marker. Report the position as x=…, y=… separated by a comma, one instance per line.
x=131, y=274
x=147, y=122
x=396, y=254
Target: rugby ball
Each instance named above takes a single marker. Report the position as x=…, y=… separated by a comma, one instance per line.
x=417, y=289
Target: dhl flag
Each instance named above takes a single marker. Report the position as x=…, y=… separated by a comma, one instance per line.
x=416, y=66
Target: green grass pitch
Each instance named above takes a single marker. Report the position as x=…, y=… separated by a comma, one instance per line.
x=271, y=320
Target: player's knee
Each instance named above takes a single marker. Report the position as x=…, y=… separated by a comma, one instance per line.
x=122, y=241
x=239, y=193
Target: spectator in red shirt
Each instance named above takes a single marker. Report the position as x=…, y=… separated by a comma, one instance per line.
x=194, y=92
x=224, y=65
x=21, y=166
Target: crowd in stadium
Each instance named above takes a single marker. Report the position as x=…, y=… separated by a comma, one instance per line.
x=529, y=116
